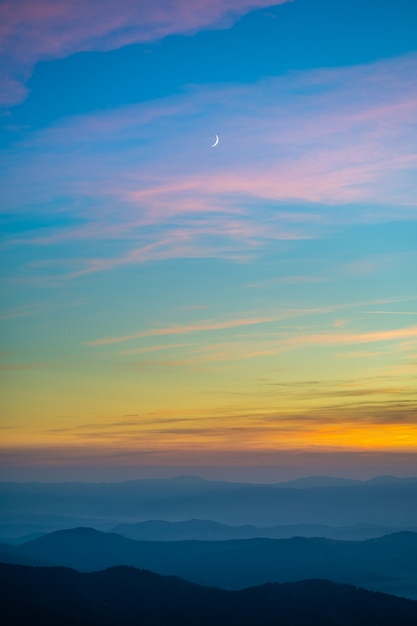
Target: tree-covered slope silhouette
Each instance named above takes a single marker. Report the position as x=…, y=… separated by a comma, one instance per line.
x=386, y=564
x=125, y=596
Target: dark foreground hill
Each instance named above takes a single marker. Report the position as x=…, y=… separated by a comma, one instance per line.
x=125, y=596
x=387, y=564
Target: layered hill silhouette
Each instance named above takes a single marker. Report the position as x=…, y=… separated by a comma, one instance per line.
x=384, y=501
x=125, y=596
x=208, y=530
x=386, y=564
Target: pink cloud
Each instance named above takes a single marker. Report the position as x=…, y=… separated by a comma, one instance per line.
x=348, y=140
x=166, y=195
x=49, y=29
x=327, y=339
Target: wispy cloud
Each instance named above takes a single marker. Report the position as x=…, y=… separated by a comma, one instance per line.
x=258, y=342
x=144, y=349
x=183, y=329
x=349, y=424
x=277, y=342
x=379, y=262
x=51, y=29
x=335, y=141
x=336, y=338
x=391, y=312
x=327, y=339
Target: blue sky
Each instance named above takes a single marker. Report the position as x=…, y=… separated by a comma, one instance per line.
x=201, y=290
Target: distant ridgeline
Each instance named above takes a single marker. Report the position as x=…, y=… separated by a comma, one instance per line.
x=377, y=506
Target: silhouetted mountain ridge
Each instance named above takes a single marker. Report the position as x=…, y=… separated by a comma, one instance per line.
x=209, y=530
x=125, y=596
x=388, y=502
x=387, y=564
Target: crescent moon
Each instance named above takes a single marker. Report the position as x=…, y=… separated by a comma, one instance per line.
x=216, y=142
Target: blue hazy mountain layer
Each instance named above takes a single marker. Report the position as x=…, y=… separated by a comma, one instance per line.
x=386, y=501
x=387, y=564
x=208, y=530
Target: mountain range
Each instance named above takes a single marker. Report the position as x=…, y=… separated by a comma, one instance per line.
x=123, y=596
x=208, y=530
x=386, y=501
x=385, y=564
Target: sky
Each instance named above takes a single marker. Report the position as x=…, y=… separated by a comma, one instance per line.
x=247, y=309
